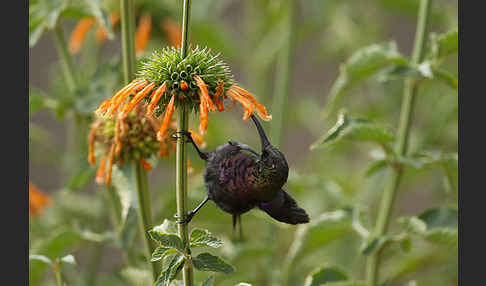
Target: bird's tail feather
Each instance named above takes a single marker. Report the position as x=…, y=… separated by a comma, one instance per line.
x=284, y=208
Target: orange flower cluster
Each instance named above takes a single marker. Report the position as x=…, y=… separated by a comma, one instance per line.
x=131, y=137
x=38, y=200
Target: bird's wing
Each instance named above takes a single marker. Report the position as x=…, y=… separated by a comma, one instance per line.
x=237, y=173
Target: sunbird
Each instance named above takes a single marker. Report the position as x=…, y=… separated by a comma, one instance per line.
x=239, y=179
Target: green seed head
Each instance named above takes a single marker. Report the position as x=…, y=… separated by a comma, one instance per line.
x=168, y=66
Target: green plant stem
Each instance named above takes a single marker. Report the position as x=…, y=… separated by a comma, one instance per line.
x=145, y=214
x=181, y=155
x=409, y=94
x=284, y=66
x=57, y=272
x=128, y=39
x=66, y=61
x=129, y=65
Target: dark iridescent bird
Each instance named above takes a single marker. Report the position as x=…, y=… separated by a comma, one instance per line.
x=239, y=179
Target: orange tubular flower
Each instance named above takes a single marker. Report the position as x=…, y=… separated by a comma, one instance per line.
x=167, y=118
x=145, y=165
x=79, y=34
x=143, y=33
x=38, y=200
x=173, y=32
x=100, y=173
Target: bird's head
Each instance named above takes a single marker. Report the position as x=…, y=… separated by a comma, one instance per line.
x=271, y=158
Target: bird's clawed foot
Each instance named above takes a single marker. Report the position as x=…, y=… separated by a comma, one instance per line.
x=187, y=134
x=186, y=218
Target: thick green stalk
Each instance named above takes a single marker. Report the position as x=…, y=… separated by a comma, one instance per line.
x=129, y=66
x=66, y=61
x=181, y=155
x=128, y=39
x=57, y=272
x=284, y=80
x=409, y=94
x=145, y=214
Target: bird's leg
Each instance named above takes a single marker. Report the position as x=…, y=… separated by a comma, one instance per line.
x=188, y=217
x=203, y=155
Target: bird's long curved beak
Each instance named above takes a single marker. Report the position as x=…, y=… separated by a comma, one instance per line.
x=263, y=136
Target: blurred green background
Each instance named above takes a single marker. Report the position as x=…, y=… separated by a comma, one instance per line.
x=330, y=183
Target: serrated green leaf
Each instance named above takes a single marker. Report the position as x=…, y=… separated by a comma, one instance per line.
x=159, y=253
x=171, y=271
x=167, y=239
x=208, y=262
x=442, y=45
x=202, y=237
x=438, y=225
x=358, y=129
x=166, y=227
x=209, y=281
x=362, y=64
x=323, y=275
x=40, y=258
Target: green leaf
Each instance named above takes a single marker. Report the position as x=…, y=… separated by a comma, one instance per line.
x=446, y=76
x=159, y=253
x=167, y=227
x=375, y=167
x=171, y=271
x=208, y=262
x=322, y=230
x=124, y=185
x=43, y=15
x=39, y=100
x=374, y=244
x=53, y=246
x=443, y=45
x=410, y=70
x=167, y=239
x=323, y=275
x=68, y=259
x=362, y=64
x=358, y=129
x=202, y=237
x=209, y=281
x=40, y=258
x=437, y=225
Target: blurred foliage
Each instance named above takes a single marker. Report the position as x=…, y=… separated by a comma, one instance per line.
x=340, y=186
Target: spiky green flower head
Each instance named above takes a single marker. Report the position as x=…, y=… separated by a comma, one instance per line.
x=200, y=81
x=178, y=73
